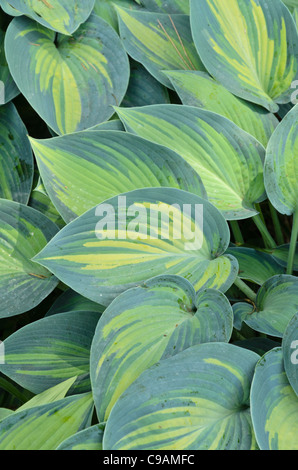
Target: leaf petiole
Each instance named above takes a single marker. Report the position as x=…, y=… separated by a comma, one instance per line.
x=293, y=243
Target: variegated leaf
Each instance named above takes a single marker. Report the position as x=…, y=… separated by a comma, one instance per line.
x=228, y=160
x=88, y=439
x=254, y=265
x=45, y=427
x=51, y=350
x=8, y=88
x=16, y=160
x=159, y=41
x=86, y=168
x=147, y=324
x=166, y=6
x=274, y=405
x=199, y=89
x=277, y=302
x=250, y=46
x=197, y=400
x=24, y=232
x=290, y=352
x=138, y=235
x=281, y=165
x=64, y=16
x=72, y=82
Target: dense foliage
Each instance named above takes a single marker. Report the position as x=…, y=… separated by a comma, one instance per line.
x=148, y=224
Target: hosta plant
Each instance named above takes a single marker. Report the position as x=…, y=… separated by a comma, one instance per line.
x=149, y=225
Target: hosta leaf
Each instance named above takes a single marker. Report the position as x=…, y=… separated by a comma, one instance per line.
x=251, y=47
x=48, y=351
x=291, y=3
x=242, y=310
x=290, y=353
x=174, y=6
x=100, y=263
x=143, y=89
x=277, y=302
x=159, y=41
x=197, y=400
x=88, y=439
x=16, y=161
x=42, y=203
x=147, y=324
x=45, y=427
x=274, y=405
x=113, y=125
x=64, y=16
x=71, y=301
x=229, y=161
x=4, y=413
x=281, y=165
x=295, y=14
x=8, y=89
x=106, y=9
x=281, y=255
x=71, y=82
x=24, y=232
x=50, y=395
x=86, y=168
x=254, y=265
x=7, y=8
x=199, y=89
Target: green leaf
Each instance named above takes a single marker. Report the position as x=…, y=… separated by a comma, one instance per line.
x=71, y=301
x=16, y=160
x=291, y=3
x=42, y=203
x=144, y=237
x=88, y=439
x=64, y=16
x=174, y=6
x=50, y=395
x=274, y=405
x=159, y=41
x=254, y=265
x=45, y=427
x=113, y=125
x=7, y=8
x=197, y=400
x=281, y=255
x=289, y=348
x=147, y=324
x=143, y=88
x=106, y=10
x=4, y=413
x=251, y=47
x=199, y=89
x=24, y=232
x=295, y=14
x=86, y=168
x=229, y=161
x=71, y=82
x=277, y=302
x=281, y=171
x=8, y=90
x=46, y=352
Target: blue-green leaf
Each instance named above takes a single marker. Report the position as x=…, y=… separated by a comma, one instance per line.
x=49, y=351
x=274, y=405
x=147, y=324
x=197, y=400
